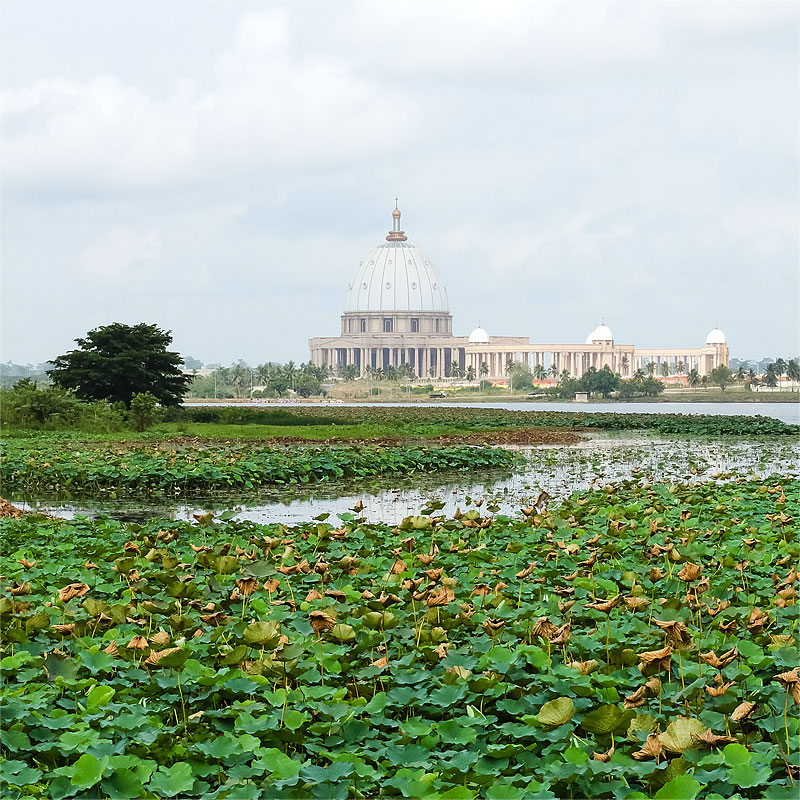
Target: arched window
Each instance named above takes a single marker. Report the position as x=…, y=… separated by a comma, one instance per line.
x=363, y=326
x=388, y=326
x=415, y=325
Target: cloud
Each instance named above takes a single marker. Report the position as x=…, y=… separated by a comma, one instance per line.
x=268, y=109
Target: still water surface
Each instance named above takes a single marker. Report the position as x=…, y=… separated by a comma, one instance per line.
x=559, y=469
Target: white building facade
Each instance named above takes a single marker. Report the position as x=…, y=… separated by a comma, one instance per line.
x=397, y=312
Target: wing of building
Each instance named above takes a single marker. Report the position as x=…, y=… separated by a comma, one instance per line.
x=397, y=312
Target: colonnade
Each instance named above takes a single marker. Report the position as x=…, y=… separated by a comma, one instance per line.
x=435, y=362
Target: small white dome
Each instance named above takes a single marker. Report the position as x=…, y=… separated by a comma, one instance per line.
x=716, y=337
x=602, y=333
x=478, y=336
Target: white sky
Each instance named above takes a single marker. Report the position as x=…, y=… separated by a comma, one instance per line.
x=220, y=168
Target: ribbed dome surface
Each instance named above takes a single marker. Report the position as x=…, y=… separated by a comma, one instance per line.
x=396, y=276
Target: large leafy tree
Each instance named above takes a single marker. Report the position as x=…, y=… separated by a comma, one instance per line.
x=115, y=362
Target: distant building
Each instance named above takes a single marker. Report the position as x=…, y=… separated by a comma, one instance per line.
x=397, y=312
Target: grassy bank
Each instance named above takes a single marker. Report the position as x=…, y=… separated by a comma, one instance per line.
x=635, y=642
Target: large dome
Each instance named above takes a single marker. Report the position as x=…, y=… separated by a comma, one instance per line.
x=396, y=276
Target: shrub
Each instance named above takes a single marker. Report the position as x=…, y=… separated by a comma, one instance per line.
x=144, y=411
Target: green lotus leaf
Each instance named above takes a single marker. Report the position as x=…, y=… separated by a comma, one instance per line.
x=641, y=724
x=677, y=738
x=605, y=719
x=556, y=712
x=681, y=787
x=342, y=633
x=264, y=633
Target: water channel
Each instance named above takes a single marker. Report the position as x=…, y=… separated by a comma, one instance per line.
x=599, y=459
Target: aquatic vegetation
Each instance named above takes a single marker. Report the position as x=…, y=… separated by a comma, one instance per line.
x=47, y=464
x=414, y=421
x=638, y=640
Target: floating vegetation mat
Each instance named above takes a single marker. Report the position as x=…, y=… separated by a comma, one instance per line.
x=635, y=641
x=180, y=468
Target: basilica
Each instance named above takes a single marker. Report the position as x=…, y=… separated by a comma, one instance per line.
x=397, y=313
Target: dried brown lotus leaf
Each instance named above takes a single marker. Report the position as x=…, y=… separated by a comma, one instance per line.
x=160, y=638
x=604, y=757
x=441, y=597
x=635, y=603
x=742, y=711
x=25, y=563
x=652, y=748
x=585, y=667
x=65, y=629
x=72, y=590
x=543, y=628
x=719, y=662
x=137, y=643
x=313, y=595
x=606, y=605
x=112, y=648
x=321, y=621
x=19, y=589
x=709, y=739
x=677, y=633
x=636, y=699
x=791, y=682
x=246, y=586
x=492, y=626
x=719, y=690
x=690, y=572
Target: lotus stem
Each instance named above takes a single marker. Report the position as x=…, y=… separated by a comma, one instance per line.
x=786, y=721
x=183, y=705
x=321, y=667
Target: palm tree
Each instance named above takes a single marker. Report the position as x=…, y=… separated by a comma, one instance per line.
x=771, y=375
x=553, y=371
x=793, y=371
x=680, y=368
x=639, y=375
x=455, y=370
x=539, y=372
x=651, y=368
x=484, y=369
x=780, y=367
x=665, y=370
x=470, y=373
x=624, y=363
x=741, y=374
x=694, y=378
x=704, y=381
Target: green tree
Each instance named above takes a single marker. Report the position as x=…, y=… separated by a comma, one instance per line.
x=539, y=372
x=602, y=381
x=665, y=369
x=624, y=363
x=144, y=411
x=793, y=371
x=721, y=376
x=307, y=384
x=771, y=375
x=680, y=368
x=455, y=370
x=348, y=372
x=694, y=378
x=470, y=373
x=115, y=362
x=484, y=369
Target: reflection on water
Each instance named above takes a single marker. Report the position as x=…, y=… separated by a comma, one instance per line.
x=558, y=469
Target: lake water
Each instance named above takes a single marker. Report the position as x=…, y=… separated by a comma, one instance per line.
x=787, y=412
x=559, y=469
